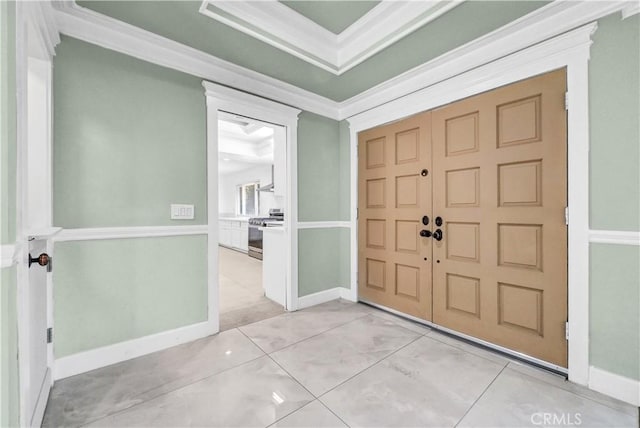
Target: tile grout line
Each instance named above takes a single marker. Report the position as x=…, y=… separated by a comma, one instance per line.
x=370, y=367
x=480, y=396
x=174, y=389
x=302, y=340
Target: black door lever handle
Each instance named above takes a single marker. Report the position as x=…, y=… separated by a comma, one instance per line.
x=425, y=233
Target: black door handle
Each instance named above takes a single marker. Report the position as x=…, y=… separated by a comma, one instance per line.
x=425, y=220
x=437, y=235
x=425, y=233
x=438, y=221
x=43, y=259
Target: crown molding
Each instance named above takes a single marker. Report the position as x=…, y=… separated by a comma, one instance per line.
x=543, y=24
x=631, y=9
x=280, y=26
x=540, y=25
x=42, y=17
x=87, y=25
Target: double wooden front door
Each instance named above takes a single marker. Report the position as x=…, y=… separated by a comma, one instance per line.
x=462, y=216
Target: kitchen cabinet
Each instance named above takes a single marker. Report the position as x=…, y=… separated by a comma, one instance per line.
x=280, y=163
x=234, y=233
x=274, y=276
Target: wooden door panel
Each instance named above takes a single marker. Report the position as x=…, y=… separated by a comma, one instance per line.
x=500, y=186
x=394, y=261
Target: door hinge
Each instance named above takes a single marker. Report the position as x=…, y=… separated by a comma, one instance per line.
x=566, y=100
x=357, y=213
x=49, y=335
x=566, y=215
x=566, y=330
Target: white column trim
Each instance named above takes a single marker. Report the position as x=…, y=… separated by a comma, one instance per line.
x=619, y=237
x=614, y=385
x=570, y=50
x=9, y=255
x=97, y=233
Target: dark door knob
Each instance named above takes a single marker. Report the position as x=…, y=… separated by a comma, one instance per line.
x=438, y=221
x=43, y=259
x=425, y=220
x=437, y=235
x=425, y=233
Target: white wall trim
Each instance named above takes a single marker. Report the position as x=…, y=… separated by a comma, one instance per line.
x=619, y=237
x=570, y=50
x=9, y=255
x=613, y=385
x=90, y=234
x=320, y=297
x=323, y=224
x=221, y=101
x=100, y=357
x=101, y=30
x=552, y=20
x=632, y=8
x=283, y=28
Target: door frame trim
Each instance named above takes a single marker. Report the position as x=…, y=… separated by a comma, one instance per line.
x=570, y=50
x=223, y=99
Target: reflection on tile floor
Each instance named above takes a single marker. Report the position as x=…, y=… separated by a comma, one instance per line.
x=334, y=365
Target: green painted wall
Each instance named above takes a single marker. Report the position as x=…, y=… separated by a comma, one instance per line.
x=465, y=23
x=319, y=171
x=345, y=172
x=9, y=386
x=614, y=98
x=129, y=140
x=615, y=309
x=323, y=259
x=110, y=291
x=7, y=123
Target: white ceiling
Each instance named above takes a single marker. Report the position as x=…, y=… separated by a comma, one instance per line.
x=242, y=144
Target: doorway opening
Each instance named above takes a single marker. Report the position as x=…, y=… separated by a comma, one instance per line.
x=251, y=210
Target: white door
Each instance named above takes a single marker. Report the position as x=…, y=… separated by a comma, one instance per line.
x=38, y=374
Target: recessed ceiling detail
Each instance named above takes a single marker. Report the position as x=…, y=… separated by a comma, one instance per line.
x=282, y=27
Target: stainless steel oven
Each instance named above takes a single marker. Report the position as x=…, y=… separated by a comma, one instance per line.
x=255, y=238
x=255, y=234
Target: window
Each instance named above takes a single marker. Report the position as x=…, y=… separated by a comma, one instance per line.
x=248, y=199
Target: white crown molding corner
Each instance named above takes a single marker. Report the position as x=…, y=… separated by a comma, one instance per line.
x=281, y=27
x=90, y=234
x=87, y=25
x=41, y=15
x=619, y=237
x=538, y=26
x=632, y=8
x=614, y=385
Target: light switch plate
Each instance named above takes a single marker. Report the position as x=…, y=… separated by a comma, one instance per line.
x=182, y=212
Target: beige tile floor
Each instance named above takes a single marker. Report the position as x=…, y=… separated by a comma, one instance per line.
x=333, y=365
x=242, y=298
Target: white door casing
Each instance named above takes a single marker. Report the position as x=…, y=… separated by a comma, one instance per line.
x=221, y=99
x=570, y=50
x=36, y=40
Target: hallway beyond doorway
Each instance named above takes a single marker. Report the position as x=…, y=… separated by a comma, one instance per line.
x=242, y=299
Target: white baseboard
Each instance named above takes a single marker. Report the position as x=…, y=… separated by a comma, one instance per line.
x=321, y=297
x=107, y=355
x=614, y=385
x=346, y=294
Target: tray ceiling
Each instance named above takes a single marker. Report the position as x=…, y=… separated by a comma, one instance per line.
x=182, y=22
